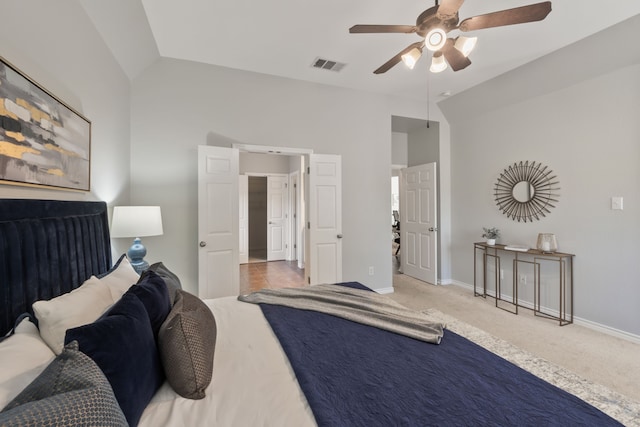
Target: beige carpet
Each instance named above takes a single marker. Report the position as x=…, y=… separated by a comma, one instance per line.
x=597, y=357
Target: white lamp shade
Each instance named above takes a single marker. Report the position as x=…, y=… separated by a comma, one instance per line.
x=136, y=221
x=410, y=58
x=465, y=44
x=438, y=63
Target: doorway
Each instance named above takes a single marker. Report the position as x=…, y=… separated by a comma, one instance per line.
x=268, y=217
x=395, y=222
x=219, y=207
x=417, y=142
x=257, y=201
x=272, y=229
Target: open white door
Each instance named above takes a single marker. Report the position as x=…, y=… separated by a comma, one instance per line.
x=218, y=229
x=325, y=219
x=418, y=222
x=277, y=206
x=243, y=204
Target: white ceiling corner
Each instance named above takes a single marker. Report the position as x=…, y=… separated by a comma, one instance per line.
x=124, y=28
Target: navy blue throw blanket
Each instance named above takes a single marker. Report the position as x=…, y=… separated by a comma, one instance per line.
x=358, y=375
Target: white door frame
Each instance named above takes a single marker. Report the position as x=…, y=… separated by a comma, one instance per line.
x=243, y=201
x=294, y=207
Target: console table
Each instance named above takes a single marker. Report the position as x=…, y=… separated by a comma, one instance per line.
x=539, y=261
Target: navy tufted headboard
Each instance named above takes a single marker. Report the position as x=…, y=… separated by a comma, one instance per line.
x=47, y=248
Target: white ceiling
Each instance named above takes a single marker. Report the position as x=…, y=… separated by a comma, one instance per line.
x=283, y=37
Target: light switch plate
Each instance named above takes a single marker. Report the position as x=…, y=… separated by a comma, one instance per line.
x=616, y=203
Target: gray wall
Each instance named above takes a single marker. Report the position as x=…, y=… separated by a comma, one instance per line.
x=587, y=131
x=264, y=163
x=423, y=145
x=56, y=45
x=399, y=147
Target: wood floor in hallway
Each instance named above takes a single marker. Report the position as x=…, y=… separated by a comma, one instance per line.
x=270, y=275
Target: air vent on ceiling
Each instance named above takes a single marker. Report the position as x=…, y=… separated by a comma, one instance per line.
x=327, y=64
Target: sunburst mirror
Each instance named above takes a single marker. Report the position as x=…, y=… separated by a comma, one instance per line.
x=526, y=191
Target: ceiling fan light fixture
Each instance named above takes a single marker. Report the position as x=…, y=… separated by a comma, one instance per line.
x=410, y=58
x=465, y=44
x=438, y=64
x=435, y=39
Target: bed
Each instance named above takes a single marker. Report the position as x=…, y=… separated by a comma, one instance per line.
x=270, y=365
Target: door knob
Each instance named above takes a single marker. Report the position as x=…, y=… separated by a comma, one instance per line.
x=339, y=236
x=433, y=229
x=203, y=244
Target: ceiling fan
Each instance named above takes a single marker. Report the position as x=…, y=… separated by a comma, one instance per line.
x=433, y=25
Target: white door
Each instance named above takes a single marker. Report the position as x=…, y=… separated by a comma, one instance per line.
x=218, y=229
x=277, y=197
x=243, y=204
x=418, y=222
x=324, y=219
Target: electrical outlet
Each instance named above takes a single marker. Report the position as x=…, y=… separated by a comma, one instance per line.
x=370, y=271
x=523, y=279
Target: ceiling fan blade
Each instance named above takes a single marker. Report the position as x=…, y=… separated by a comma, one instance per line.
x=393, y=61
x=518, y=15
x=455, y=58
x=448, y=9
x=382, y=29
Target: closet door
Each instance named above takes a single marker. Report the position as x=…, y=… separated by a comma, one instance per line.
x=277, y=207
x=324, y=219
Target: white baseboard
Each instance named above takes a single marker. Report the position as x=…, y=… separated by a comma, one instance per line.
x=607, y=329
x=389, y=290
x=577, y=320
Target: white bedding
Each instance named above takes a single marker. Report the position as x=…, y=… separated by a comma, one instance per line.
x=253, y=383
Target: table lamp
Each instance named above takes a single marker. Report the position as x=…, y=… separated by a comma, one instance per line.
x=136, y=221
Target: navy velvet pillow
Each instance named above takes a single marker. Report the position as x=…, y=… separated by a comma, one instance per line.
x=170, y=278
x=123, y=345
x=153, y=293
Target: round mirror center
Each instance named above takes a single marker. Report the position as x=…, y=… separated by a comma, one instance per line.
x=523, y=191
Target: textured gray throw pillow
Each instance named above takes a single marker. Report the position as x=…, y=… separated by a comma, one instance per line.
x=170, y=278
x=187, y=341
x=71, y=391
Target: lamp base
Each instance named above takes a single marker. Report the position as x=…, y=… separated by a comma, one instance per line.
x=136, y=254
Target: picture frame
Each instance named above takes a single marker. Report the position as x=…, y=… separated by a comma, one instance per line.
x=43, y=141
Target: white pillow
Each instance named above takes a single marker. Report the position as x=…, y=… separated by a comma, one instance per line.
x=23, y=356
x=121, y=277
x=76, y=308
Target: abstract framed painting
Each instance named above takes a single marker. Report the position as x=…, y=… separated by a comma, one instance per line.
x=43, y=141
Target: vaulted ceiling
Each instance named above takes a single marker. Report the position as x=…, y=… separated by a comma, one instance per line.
x=284, y=38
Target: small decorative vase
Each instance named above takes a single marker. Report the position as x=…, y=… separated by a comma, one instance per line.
x=491, y=242
x=547, y=243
